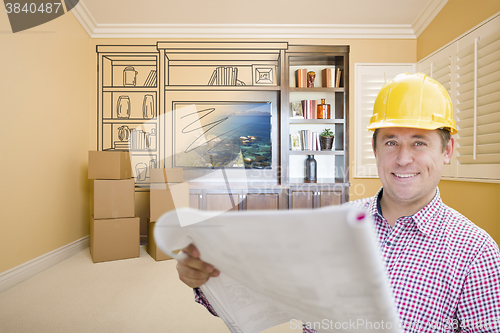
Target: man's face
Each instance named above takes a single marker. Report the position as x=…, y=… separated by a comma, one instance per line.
x=410, y=163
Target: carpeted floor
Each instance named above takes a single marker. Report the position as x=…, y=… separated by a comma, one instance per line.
x=125, y=296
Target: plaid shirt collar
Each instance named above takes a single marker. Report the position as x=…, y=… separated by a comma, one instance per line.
x=424, y=219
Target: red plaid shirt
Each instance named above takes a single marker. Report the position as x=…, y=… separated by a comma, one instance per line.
x=444, y=271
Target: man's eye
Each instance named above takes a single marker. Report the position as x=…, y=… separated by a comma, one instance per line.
x=419, y=144
x=390, y=143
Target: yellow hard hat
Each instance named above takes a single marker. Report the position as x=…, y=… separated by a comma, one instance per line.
x=413, y=100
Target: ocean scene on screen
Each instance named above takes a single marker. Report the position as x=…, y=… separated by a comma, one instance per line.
x=222, y=134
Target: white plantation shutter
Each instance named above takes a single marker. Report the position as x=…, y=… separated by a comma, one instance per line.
x=439, y=67
x=369, y=80
x=477, y=103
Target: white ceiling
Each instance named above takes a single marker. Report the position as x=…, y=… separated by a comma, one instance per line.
x=257, y=18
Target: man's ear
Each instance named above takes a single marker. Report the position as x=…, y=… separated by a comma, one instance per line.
x=373, y=148
x=448, y=150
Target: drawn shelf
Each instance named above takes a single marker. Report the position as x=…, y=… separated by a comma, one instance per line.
x=221, y=88
x=129, y=89
x=128, y=102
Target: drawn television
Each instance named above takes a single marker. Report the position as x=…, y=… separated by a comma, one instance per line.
x=223, y=134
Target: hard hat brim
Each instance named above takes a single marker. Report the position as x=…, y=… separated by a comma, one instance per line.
x=409, y=124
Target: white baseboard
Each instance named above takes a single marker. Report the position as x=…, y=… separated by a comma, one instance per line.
x=28, y=269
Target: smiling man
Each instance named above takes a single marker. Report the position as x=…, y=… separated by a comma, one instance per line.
x=444, y=271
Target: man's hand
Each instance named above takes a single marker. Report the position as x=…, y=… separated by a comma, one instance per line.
x=193, y=271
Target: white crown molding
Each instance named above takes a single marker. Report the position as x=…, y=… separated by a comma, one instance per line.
x=85, y=18
x=252, y=31
x=427, y=15
x=341, y=31
x=24, y=271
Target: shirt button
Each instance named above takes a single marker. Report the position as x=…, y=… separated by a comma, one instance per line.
x=388, y=243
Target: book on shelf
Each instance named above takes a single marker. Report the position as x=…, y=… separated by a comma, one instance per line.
x=211, y=82
x=305, y=140
x=224, y=76
x=309, y=108
x=337, y=77
x=151, y=79
x=310, y=140
x=315, y=141
x=301, y=78
x=235, y=76
x=138, y=139
x=121, y=145
x=328, y=77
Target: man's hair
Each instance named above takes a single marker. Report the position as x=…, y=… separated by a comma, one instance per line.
x=444, y=133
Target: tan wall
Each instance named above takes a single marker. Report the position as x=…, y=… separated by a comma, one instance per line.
x=477, y=201
x=480, y=202
x=456, y=18
x=44, y=112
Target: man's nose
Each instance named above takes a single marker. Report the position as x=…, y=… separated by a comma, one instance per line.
x=404, y=155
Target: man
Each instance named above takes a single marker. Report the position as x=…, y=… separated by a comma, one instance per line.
x=444, y=271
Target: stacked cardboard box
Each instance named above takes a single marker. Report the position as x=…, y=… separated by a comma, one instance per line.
x=168, y=191
x=114, y=229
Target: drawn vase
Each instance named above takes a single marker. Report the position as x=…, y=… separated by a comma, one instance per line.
x=148, y=110
x=123, y=107
x=123, y=133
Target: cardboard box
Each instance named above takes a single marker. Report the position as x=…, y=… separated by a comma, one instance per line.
x=165, y=197
x=151, y=247
x=109, y=165
x=114, y=239
x=168, y=175
x=114, y=198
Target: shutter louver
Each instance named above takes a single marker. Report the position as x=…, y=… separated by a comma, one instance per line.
x=441, y=72
x=479, y=134
x=438, y=66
